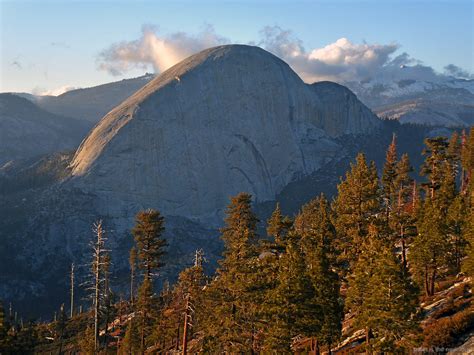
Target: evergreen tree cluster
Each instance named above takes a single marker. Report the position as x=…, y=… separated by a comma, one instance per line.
x=364, y=259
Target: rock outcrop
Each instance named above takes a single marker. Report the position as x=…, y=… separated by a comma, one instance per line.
x=228, y=119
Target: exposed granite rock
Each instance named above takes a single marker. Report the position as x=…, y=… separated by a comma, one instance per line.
x=228, y=119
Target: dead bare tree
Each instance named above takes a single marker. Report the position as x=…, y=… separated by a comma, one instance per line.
x=98, y=254
x=133, y=264
x=72, y=290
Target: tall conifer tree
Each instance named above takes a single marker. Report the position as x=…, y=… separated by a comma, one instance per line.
x=356, y=207
x=428, y=253
x=233, y=290
x=456, y=224
x=150, y=244
x=435, y=163
x=318, y=236
x=403, y=212
x=292, y=302
x=381, y=295
x=389, y=176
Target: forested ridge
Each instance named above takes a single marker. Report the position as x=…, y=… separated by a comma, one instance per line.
x=356, y=272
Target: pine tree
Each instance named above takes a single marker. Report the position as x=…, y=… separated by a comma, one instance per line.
x=447, y=190
x=467, y=161
x=267, y=269
x=455, y=225
x=148, y=234
x=326, y=284
x=403, y=211
x=146, y=312
x=438, y=243
x=435, y=163
x=389, y=177
x=233, y=326
x=292, y=303
x=188, y=295
x=356, y=207
x=380, y=295
x=131, y=341
x=86, y=341
x=278, y=226
x=468, y=236
x=468, y=191
x=133, y=264
x=428, y=253
x=453, y=152
x=318, y=236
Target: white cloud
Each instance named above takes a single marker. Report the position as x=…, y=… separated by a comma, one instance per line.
x=52, y=92
x=344, y=61
x=155, y=49
x=340, y=61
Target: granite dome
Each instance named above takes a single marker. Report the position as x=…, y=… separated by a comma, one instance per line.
x=228, y=119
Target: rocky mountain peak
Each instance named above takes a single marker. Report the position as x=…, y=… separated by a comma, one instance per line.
x=228, y=119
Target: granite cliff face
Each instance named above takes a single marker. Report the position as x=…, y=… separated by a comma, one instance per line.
x=228, y=119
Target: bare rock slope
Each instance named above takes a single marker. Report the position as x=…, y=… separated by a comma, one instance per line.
x=228, y=119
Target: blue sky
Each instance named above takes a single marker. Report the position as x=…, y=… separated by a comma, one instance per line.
x=46, y=45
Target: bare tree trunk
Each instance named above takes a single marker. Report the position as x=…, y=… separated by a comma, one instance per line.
x=432, y=282
x=62, y=318
x=72, y=290
x=427, y=286
x=177, y=337
x=133, y=263
x=106, y=328
x=97, y=262
x=132, y=276
x=142, y=335
x=185, y=330
x=118, y=345
x=367, y=341
x=404, y=255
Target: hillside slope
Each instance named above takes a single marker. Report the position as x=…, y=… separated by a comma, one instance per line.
x=27, y=131
x=90, y=104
